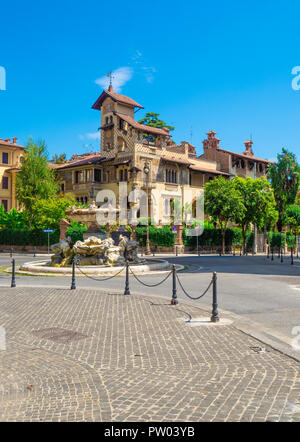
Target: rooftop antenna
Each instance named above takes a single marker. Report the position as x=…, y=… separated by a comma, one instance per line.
x=191, y=134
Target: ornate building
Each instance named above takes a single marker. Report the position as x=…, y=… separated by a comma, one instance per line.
x=145, y=158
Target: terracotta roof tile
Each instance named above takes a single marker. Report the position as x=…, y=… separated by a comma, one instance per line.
x=87, y=159
x=143, y=127
x=9, y=144
x=117, y=97
x=212, y=171
x=248, y=157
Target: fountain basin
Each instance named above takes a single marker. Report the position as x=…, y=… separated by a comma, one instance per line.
x=43, y=267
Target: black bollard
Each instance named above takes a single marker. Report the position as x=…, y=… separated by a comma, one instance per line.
x=11, y=252
x=34, y=252
x=73, y=283
x=13, y=274
x=268, y=254
x=272, y=254
x=281, y=256
x=176, y=250
x=292, y=257
x=215, y=314
x=142, y=252
x=127, y=290
x=174, y=300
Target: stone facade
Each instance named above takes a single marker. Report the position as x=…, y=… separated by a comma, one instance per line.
x=243, y=165
x=127, y=147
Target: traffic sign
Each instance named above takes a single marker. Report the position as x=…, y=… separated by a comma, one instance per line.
x=48, y=231
x=196, y=227
x=174, y=229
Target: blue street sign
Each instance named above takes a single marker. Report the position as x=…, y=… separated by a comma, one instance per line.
x=174, y=228
x=48, y=231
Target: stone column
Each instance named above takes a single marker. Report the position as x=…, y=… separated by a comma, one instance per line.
x=63, y=227
x=178, y=240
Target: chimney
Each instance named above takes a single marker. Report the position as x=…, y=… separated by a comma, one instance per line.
x=248, y=145
x=7, y=140
x=15, y=140
x=212, y=142
x=185, y=144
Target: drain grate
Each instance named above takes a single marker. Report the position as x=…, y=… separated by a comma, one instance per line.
x=60, y=335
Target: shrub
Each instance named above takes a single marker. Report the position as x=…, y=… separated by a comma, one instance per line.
x=76, y=231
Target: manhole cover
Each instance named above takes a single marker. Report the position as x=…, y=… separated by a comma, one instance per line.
x=59, y=335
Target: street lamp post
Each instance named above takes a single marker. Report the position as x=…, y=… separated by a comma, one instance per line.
x=147, y=171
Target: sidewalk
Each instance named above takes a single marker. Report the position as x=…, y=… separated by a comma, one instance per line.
x=87, y=355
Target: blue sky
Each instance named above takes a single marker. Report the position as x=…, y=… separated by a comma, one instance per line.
x=222, y=65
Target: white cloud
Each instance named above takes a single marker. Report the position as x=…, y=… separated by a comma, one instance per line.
x=119, y=77
x=142, y=66
x=93, y=135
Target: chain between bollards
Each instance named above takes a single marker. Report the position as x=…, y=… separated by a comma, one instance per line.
x=73, y=283
x=127, y=289
x=13, y=274
x=215, y=314
x=174, y=300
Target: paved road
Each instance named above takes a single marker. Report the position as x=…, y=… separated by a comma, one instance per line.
x=264, y=294
x=86, y=355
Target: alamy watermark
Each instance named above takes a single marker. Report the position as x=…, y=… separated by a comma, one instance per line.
x=2, y=79
x=133, y=208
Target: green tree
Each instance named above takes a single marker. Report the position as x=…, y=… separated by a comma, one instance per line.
x=151, y=119
x=259, y=203
x=222, y=202
x=47, y=213
x=285, y=180
x=36, y=180
x=58, y=159
x=292, y=219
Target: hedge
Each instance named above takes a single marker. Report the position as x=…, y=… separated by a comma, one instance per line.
x=34, y=237
x=158, y=236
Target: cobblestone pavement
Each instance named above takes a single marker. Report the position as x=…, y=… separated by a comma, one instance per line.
x=133, y=359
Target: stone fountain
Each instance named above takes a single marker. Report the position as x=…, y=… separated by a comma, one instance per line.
x=95, y=256
x=95, y=251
